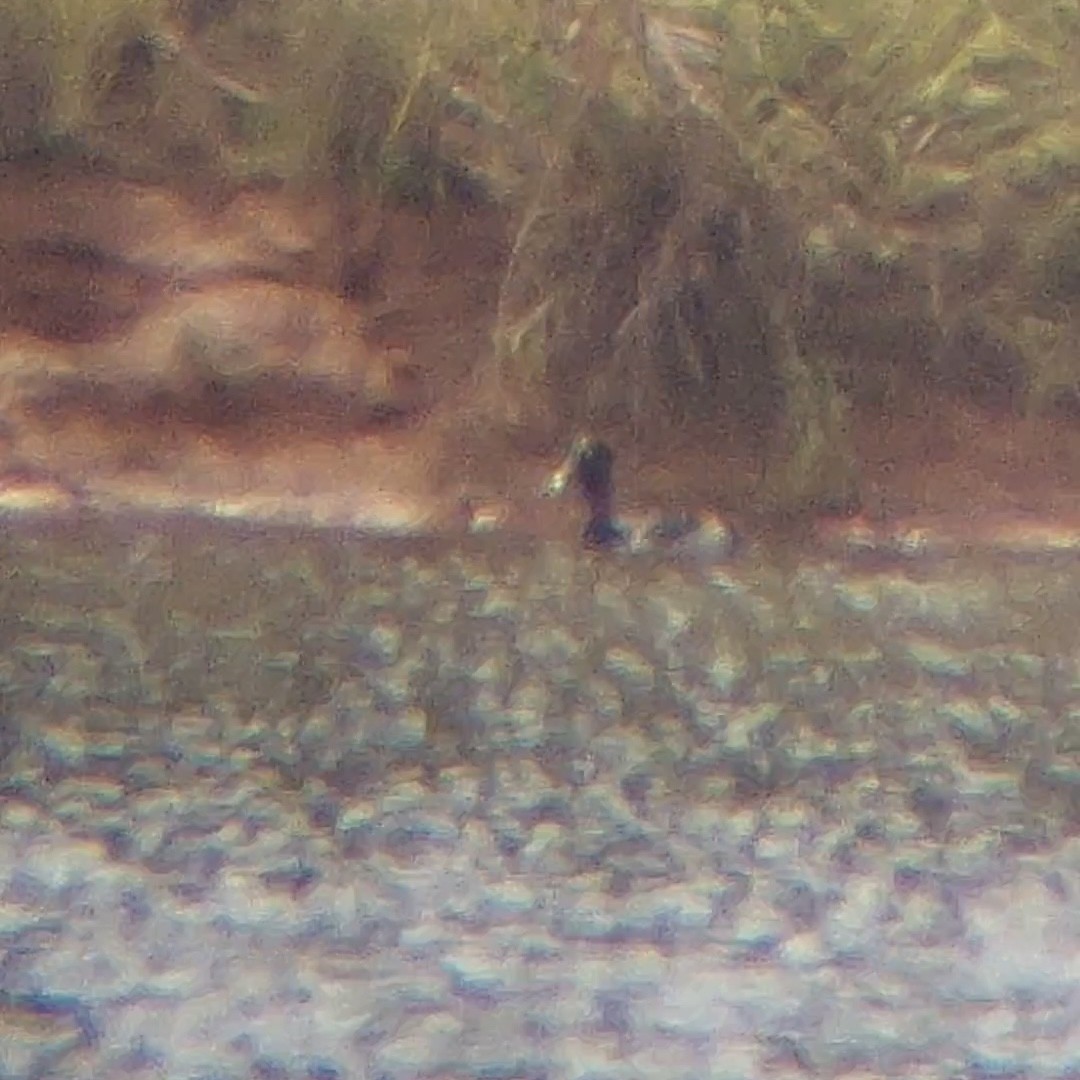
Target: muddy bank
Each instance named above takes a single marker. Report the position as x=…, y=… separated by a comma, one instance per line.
x=293, y=803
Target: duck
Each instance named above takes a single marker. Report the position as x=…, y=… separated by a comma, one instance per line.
x=590, y=465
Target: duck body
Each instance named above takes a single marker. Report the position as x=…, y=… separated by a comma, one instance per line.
x=590, y=465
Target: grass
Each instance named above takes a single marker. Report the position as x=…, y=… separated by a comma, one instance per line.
x=766, y=213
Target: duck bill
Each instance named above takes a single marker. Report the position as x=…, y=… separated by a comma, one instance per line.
x=557, y=483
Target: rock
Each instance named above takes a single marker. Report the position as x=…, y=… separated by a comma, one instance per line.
x=90, y=252
x=202, y=380
x=225, y=355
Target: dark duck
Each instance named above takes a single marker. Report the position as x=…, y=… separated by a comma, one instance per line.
x=590, y=464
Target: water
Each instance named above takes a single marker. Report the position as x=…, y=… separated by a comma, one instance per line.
x=292, y=803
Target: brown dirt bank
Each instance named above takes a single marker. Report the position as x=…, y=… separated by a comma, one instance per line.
x=956, y=472
x=153, y=349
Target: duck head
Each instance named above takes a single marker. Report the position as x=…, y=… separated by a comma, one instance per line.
x=591, y=465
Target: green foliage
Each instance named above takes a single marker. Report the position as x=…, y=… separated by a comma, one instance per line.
x=705, y=195
x=25, y=77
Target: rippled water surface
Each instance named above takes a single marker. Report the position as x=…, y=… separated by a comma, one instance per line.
x=296, y=804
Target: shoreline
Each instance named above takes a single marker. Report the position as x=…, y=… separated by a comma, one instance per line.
x=907, y=538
